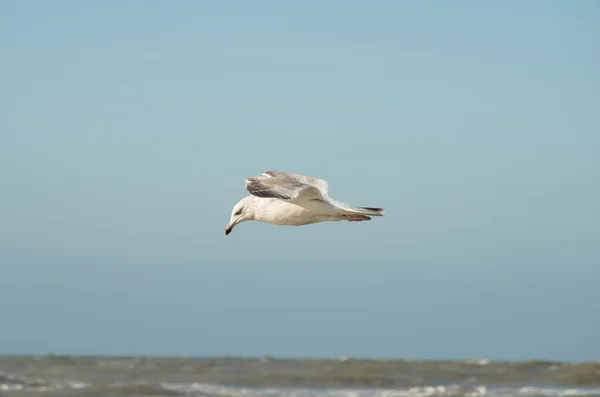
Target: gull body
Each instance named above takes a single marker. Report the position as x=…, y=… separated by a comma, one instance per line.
x=288, y=199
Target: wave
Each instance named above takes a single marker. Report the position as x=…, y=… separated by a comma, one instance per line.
x=200, y=389
x=14, y=383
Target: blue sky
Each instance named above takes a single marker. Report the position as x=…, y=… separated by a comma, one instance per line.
x=128, y=128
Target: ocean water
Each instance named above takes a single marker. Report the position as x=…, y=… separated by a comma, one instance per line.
x=54, y=376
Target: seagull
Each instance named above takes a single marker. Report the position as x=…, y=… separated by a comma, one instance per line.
x=285, y=198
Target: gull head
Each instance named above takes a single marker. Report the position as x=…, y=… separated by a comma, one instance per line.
x=242, y=211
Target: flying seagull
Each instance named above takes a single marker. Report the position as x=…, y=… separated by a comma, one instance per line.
x=284, y=198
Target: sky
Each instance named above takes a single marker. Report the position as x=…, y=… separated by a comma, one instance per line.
x=128, y=128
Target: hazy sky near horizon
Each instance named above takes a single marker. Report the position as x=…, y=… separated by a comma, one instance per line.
x=128, y=129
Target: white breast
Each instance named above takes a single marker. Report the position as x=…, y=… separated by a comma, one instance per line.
x=281, y=212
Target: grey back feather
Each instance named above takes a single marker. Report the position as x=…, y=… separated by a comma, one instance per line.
x=287, y=186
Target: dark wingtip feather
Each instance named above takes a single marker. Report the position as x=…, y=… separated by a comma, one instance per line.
x=256, y=188
x=379, y=211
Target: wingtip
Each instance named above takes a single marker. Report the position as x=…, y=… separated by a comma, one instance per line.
x=248, y=182
x=379, y=211
x=270, y=173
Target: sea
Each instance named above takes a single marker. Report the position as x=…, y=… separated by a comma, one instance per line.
x=53, y=376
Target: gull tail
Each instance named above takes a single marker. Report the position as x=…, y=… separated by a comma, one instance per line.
x=371, y=211
x=367, y=211
x=357, y=214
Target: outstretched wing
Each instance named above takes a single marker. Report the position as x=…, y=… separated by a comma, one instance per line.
x=320, y=184
x=287, y=186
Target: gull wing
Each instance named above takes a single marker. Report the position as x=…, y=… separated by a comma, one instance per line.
x=320, y=184
x=287, y=186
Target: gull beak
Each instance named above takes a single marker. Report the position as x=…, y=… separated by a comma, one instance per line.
x=229, y=228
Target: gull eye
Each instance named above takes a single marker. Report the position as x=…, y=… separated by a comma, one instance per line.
x=239, y=211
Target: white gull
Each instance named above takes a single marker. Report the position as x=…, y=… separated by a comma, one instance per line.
x=284, y=198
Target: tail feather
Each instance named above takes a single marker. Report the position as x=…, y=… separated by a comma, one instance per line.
x=372, y=211
x=369, y=211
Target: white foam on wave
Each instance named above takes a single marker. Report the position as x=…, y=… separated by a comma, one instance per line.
x=16, y=383
x=12, y=382
x=483, y=361
x=421, y=391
